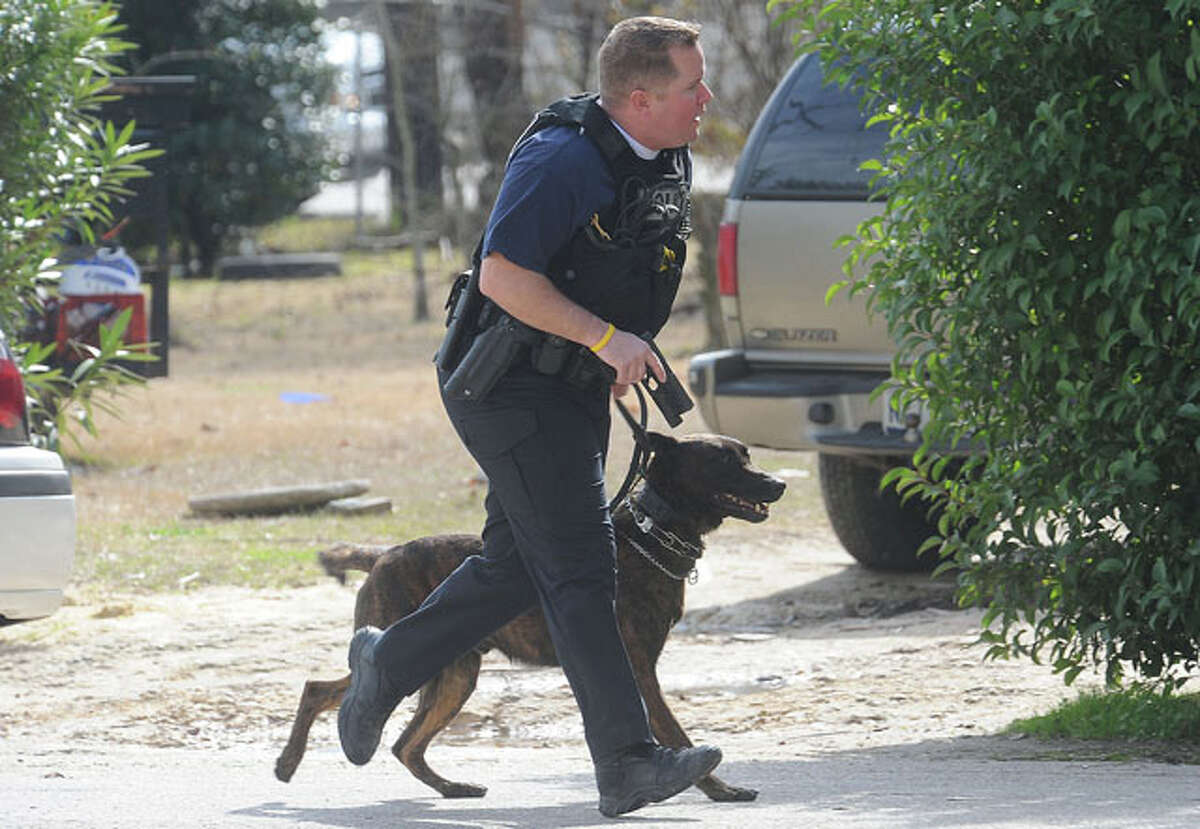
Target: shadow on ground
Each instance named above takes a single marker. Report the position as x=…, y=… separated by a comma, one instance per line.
x=850, y=592
x=962, y=782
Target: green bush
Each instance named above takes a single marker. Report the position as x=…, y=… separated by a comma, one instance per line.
x=60, y=169
x=1036, y=264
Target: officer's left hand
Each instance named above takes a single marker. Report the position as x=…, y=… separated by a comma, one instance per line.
x=620, y=389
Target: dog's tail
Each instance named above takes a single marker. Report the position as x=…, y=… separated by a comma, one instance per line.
x=340, y=558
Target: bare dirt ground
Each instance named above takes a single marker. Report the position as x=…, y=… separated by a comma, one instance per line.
x=792, y=648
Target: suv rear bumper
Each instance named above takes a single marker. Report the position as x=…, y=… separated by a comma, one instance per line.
x=786, y=407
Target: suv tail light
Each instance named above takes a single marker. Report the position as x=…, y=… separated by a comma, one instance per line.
x=727, y=276
x=12, y=399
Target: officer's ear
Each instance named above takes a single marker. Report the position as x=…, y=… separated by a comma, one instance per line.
x=641, y=100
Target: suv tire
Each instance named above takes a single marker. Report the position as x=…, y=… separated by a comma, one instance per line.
x=879, y=531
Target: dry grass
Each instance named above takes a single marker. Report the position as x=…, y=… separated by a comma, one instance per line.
x=217, y=423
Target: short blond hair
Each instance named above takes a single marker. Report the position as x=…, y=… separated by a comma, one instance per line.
x=636, y=54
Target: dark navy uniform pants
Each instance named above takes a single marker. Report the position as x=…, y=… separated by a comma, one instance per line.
x=548, y=540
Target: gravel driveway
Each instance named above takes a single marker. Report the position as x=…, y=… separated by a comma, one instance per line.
x=846, y=698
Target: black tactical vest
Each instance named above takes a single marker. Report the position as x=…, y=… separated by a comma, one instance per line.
x=625, y=265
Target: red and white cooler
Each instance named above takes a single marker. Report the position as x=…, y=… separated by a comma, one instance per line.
x=93, y=291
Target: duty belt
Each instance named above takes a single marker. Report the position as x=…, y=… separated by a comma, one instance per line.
x=571, y=362
x=551, y=354
x=503, y=342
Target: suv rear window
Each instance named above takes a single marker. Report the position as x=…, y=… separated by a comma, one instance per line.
x=809, y=142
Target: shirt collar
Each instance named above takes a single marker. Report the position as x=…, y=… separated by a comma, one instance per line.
x=639, y=149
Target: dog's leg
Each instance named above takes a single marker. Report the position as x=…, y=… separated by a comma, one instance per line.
x=440, y=701
x=668, y=732
x=317, y=697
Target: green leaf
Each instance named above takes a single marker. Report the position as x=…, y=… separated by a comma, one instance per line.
x=1137, y=322
x=1159, y=571
x=1122, y=224
x=1192, y=248
x=1154, y=74
x=1147, y=217
x=112, y=334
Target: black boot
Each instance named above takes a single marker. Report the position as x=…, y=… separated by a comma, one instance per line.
x=368, y=702
x=650, y=773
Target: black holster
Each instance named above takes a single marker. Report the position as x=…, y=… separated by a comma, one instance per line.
x=463, y=306
x=493, y=352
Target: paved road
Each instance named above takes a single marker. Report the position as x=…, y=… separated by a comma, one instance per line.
x=120, y=722
x=959, y=783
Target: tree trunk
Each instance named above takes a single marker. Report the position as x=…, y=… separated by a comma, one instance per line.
x=588, y=17
x=206, y=238
x=494, y=38
x=406, y=136
x=411, y=29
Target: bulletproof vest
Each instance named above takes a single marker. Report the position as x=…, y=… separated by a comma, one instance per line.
x=626, y=263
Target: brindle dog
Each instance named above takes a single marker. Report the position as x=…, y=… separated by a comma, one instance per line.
x=691, y=486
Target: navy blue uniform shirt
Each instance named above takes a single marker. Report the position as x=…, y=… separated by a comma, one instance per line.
x=556, y=180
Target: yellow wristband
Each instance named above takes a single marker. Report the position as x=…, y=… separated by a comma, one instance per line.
x=603, y=341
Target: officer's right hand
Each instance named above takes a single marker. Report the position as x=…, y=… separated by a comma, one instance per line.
x=631, y=357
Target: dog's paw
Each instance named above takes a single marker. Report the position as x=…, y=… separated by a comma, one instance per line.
x=740, y=795
x=457, y=790
x=724, y=793
x=285, y=768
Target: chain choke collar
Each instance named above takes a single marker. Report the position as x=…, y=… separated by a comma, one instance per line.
x=651, y=513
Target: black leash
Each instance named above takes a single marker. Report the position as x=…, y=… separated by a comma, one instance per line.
x=641, y=448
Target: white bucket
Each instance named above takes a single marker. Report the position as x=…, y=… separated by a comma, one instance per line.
x=107, y=271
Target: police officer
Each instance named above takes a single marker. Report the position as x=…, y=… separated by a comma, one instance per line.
x=584, y=247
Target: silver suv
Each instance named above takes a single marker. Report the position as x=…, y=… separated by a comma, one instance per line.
x=800, y=372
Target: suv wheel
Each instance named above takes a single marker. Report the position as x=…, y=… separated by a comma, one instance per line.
x=875, y=527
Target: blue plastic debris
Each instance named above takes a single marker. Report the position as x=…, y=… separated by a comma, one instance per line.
x=302, y=397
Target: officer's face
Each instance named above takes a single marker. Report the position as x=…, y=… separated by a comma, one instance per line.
x=677, y=106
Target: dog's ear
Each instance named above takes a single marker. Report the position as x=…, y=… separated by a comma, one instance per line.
x=660, y=442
